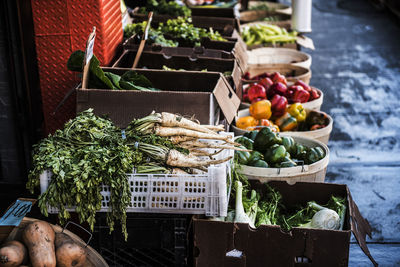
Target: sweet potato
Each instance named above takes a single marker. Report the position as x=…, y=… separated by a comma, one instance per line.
x=68, y=252
x=12, y=253
x=39, y=237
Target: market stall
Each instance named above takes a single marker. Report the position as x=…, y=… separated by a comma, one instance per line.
x=183, y=138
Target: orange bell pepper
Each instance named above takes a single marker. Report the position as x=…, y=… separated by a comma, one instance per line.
x=246, y=123
x=261, y=110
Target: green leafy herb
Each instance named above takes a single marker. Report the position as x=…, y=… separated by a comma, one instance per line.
x=87, y=153
x=168, y=8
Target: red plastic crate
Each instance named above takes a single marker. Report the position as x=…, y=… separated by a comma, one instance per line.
x=61, y=27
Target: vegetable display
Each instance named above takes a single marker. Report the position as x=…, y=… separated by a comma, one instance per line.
x=174, y=32
x=272, y=150
x=90, y=151
x=267, y=208
x=263, y=34
x=166, y=8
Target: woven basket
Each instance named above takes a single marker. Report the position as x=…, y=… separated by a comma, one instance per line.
x=95, y=258
x=307, y=173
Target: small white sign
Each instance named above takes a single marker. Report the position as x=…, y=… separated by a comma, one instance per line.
x=89, y=50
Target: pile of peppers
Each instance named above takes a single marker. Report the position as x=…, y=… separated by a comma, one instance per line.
x=268, y=85
x=269, y=149
x=277, y=105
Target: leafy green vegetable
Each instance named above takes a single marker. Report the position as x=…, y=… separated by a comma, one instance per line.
x=154, y=36
x=163, y=7
x=99, y=79
x=136, y=79
x=88, y=152
x=173, y=31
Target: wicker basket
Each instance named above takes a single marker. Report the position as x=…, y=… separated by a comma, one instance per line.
x=95, y=258
x=321, y=135
x=269, y=55
x=307, y=173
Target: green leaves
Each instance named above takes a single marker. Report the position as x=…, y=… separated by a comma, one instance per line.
x=87, y=153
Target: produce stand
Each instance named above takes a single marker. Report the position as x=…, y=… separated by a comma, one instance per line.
x=180, y=140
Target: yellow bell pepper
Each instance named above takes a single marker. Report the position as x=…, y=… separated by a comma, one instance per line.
x=297, y=110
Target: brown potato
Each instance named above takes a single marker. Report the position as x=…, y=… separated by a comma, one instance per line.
x=68, y=252
x=12, y=253
x=39, y=237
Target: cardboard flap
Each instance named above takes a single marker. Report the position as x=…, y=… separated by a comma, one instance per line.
x=305, y=42
x=227, y=99
x=360, y=227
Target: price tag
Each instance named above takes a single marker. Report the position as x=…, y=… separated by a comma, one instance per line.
x=16, y=213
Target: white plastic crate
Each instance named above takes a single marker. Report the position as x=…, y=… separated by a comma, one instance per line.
x=173, y=193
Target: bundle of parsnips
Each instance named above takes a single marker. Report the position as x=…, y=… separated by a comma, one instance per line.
x=178, y=142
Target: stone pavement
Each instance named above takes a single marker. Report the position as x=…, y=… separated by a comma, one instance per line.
x=357, y=65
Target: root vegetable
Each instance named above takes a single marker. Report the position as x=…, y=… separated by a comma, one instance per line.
x=39, y=238
x=199, y=144
x=178, y=171
x=215, y=128
x=177, y=159
x=172, y=120
x=68, y=252
x=199, y=152
x=180, y=139
x=12, y=253
x=167, y=131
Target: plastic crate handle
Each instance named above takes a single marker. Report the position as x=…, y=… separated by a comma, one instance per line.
x=90, y=234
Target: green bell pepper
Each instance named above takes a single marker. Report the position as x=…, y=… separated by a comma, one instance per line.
x=314, y=154
x=260, y=163
x=242, y=157
x=275, y=154
x=300, y=152
x=246, y=142
x=251, y=135
x=287, y=162
x=255, y=156
x=265, y=139
x=289, y=143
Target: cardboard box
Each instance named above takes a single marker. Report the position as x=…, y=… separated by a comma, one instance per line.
x=150, y=60
x=235, y=244
x=187, y=93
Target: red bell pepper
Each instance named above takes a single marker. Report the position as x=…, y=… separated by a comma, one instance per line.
x=276, y=77
x=278, y=105
x=314, y=94
x=304, y=85
x=256, y=91
x=266, y=82
x=276, y=89
x=246, y=76
x=257, y=99
x=296, y=94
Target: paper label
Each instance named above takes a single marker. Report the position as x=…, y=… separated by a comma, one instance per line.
x=16, y=213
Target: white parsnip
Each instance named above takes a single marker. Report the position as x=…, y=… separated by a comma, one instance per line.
x=173, y=131
x=172, y=120
x=177, y=159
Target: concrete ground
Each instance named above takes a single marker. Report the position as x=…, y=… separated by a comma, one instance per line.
x=357, y=65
